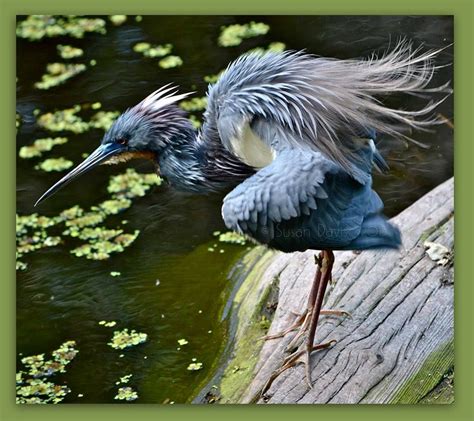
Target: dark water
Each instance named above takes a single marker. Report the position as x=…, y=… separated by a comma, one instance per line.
x=62, y=297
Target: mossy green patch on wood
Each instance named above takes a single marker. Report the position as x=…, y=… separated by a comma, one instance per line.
x=249, y=305
x=428, y=377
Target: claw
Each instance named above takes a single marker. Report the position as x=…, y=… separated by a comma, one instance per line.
x=294, y=359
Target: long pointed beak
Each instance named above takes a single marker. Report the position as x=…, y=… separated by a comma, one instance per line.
x=95, y=158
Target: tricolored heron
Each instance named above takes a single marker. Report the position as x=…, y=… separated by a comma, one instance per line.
x=291, y=136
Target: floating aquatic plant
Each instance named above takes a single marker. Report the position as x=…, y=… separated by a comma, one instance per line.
x=68, y=120
x=58, y=73
x=194, y=104
x=132, y=184
x=231, y=237
x=101, y=242
x=31, y=235
x=102, y=249
x=103, y=119
x=152, y=51
x=182, y=342
x=25, y=222
x=31, y=384
x=118, y=20
x=68, y=51
x=170, y=62
x=113, y=206
x=124, y=379
x=274, y=47
x=124, y=339
x=21, y=265
x=126, y=394
x=233, y=35
x=195, y=122
x=194, y=366
x=115, y=274
x=112, y=323
x=213, y=78
x=39, y=146
x=54, y=164
x=93, y=234
x=36, y=27
x=63, y=120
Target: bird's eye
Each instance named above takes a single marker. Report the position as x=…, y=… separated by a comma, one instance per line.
x=122, y=141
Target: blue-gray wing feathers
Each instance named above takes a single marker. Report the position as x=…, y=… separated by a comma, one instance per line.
x=305, y=201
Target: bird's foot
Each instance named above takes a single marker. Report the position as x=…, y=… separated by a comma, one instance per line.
x=302, y=322
x=302, y=356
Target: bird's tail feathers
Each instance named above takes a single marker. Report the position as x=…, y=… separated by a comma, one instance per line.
x=349, y=93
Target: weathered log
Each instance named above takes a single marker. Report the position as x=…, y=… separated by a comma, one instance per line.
x=396, y=348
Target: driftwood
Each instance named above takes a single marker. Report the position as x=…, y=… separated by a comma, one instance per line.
x=398, y=344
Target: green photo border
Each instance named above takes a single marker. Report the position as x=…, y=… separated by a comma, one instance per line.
x=462, y=409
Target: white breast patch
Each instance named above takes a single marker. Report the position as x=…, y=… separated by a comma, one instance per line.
x=251, y=149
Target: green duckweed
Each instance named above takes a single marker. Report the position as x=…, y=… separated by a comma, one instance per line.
x=58, y=73
x=126, y=394
x=233, y=35
x=112, y=323
x=213, y=78
x=41, y=145
x=170, y=62
x=152, y=51
x=194, y=104
x=87, y=219
x=195, y=366
x=103, y=119
x=124, y=379
x=182, y=342
x=104, y=323
x=124, y=339
x=118, y=20
x=31, y=384
x=68, y=120
x=102, y=249
x=68, y=52
x=63, y=120
x=195, y=121
x=231, y=237
x=113, y=206
x=132, y=184
x=54, y=164
x=100, y=242
x=36, y=27
x=92, y=234
x=274, y=47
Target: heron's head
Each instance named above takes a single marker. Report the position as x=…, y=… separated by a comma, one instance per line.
x=143, y=131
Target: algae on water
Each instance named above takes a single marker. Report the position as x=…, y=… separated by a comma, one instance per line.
x=126, y=339
x=170, y=61
x=126, y=393
x=118, y=20
x=194, y=104
x=68, y=52
x=233, y=35
x=39, y=146
x=63, y=120
x=58, y=73
x=54, y=164
x=36, y=27
x=32, y=386
x=132, y=184
x=151, y=50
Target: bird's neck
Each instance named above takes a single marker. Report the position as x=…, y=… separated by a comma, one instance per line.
x=201, y=167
